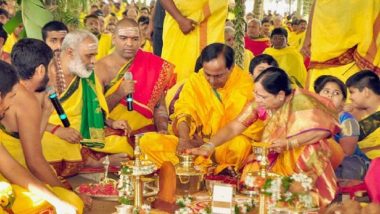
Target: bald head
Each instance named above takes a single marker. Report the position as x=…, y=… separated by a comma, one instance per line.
x=126, y=22
x=127, y=38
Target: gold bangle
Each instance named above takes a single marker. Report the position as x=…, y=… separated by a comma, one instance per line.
x=209, y=146
x=294, y=143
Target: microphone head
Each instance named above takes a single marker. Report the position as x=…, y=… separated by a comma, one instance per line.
x=128, y=76
x=50, y=90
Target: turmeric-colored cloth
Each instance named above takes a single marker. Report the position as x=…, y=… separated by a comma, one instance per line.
x=11, y=40
x=148, y=47
x=296, y=39
x=303, y=112
x=207, y=110
x=26, y=202
x=291, y=61
x=105, y=45
x=344, y=48
x=370, y=134
x=66, y=157
x=256, y=46
x=248, y=56
x=154, y=76
x=182, y=50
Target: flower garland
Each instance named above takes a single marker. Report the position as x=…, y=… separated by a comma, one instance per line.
x=290, y=191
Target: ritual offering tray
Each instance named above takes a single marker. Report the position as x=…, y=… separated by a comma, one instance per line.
x=104, y=191
x=253, y=181
x=109, y=191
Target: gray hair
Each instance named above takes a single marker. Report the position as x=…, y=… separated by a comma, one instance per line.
x=75, y=38
x=229, y=30
x=255, y=20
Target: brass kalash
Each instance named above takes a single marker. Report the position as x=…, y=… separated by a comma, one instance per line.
x=131, y=176
x=189, y=178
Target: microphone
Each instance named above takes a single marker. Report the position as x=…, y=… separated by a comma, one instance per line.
x=57, y=106
x=129, y=99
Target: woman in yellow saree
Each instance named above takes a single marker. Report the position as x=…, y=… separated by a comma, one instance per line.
x=297, y=129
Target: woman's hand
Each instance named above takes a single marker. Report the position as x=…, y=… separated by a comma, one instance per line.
x=279, y=145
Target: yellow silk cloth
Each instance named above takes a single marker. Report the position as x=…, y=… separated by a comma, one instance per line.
x=296, y=39
x=371, y=139
x=11, y=40
x=183, y=50
x=248, y=56
x=148, y=47
x=290, y=60
x=332, y=38
x=27, y=202
x=206, y=114
x=135, y=119
x=104, y=46
x=304, y=112
x=341, y=72
x=56, y=149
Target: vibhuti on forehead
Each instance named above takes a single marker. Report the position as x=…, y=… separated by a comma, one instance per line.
x=92, y=47
x=128, y=31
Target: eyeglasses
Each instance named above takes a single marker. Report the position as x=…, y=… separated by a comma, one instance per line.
x=332, y=93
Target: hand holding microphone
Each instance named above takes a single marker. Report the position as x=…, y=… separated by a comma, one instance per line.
x=53, y=96
x=129, y=87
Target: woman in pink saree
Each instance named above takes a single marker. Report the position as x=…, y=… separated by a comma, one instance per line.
x=297, y=128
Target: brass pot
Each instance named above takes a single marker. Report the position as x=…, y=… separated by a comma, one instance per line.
x=188, y=178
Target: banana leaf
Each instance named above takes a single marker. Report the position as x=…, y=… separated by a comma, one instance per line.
x=14, y=22
x=33, y=15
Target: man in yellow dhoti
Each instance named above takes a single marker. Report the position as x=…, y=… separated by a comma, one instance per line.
x=288, y=58
x=152, y=77
x=12, y=171
x=229, y=35
x=355, y=43
x=364, y=88
x=92, y=24
x=192, y=24
x=296, y=130
x=85, y=107
x=208, y=101
x=20, y=126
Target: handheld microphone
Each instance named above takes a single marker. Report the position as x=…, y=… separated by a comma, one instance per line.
x=129, y=99
x=58, y=107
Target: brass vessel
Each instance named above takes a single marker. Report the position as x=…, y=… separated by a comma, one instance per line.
x=188, y=177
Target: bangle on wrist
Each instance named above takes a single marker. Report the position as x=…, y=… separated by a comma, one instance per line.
x=294, y=143
x=55, y=129
x=209, y=146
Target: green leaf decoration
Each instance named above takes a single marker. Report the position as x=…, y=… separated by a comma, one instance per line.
x=239, y=32
x=34, y=17
x=14, y=22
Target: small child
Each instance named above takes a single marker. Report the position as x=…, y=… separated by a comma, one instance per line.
x=354, y=164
